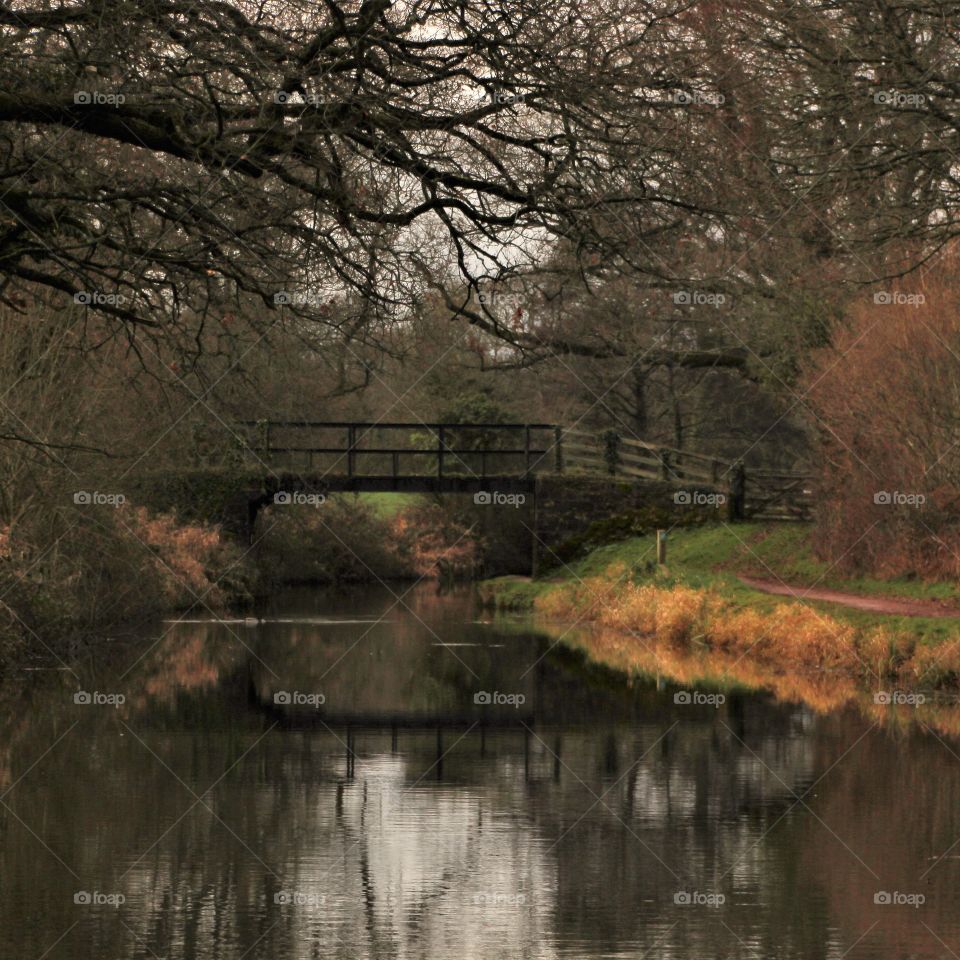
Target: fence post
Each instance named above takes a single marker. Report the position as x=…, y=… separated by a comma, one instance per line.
x=611, y=452
x=263, y=436
x=439, y=452
x=665, y=464
x=351, y=449
x=558, y=448
x=736, y=507
x=526, y=450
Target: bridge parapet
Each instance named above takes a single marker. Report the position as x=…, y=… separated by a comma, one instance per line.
x=358, y=456
x=398, y=450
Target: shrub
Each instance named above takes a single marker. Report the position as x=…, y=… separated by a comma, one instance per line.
x=887, y=406
x=342, y=540
x=438, y=541
x=194, y=563
x=112, y=566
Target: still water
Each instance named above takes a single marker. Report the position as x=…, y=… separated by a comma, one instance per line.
x=362, y=776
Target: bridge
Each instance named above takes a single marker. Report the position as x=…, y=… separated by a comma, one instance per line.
x=577, y=487
x=357, y=456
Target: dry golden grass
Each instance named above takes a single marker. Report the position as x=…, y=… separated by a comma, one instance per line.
x=806, y=637
x=936, y=666
x=682, y=614
x=882, y=651
x=590, y=599
x=684, y=632
x=634, y=610
x=743, y=630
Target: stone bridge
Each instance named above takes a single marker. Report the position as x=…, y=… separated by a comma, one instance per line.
x=579, y=489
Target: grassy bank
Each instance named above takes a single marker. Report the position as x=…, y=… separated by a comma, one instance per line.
x=697, y=602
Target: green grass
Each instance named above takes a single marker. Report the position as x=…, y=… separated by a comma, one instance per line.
x=512, y=593
x=785, y=551
x=773, y=551
x=714, y=556
x=388, y=505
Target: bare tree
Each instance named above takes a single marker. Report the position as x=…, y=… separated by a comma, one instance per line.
x=164, y=162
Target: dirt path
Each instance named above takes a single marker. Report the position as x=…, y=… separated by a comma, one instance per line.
x=900, y=608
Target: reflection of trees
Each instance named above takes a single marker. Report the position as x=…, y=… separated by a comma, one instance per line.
x=507, y=853
x=896, y=807
x=388, y=868
x=679, y=808
x=396, y=865
x=396, y=668
x=188, y=658
x=391, y=670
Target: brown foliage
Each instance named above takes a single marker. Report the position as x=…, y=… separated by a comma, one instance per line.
x=886, y=396
x=113, y=565
x=438, y=542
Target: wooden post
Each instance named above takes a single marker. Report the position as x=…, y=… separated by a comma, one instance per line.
x=736, y=505
x=483, y=463
x=661, y=547
x=665, y=464
x=526, y=450
x=535, y=537
x=439, y=452
x=351, y=449
x=611, y=452
x=558, y=448
x=396, y=464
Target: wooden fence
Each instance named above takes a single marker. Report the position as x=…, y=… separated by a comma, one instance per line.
x=751, y=494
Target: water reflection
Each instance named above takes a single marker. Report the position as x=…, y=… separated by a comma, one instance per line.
x=401, y=818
